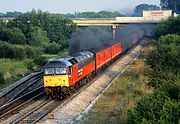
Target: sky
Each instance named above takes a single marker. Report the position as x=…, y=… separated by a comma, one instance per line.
x=71, y=6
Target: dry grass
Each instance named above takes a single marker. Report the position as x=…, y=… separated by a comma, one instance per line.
x=113, y=105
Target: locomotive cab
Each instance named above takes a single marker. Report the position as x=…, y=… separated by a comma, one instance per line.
x=57, y=76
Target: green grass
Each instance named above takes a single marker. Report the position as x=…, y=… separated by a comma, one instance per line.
x=12, y=70
x=50, y=56
x=54, y=56
x=113, y=105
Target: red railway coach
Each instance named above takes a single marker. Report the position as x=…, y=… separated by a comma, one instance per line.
x=102, y=57
x=116, y=49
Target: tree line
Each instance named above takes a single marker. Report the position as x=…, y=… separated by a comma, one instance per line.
x=163, y=105
x=101, y=14
x=36, y=29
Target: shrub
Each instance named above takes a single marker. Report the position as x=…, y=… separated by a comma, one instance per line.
x=159, y=107
x=30, y=52
x=170, y=26
x=12, y=35
x=164, y=61
x=5, y=50
x=19, y=52
x=52, y=48
x=40, y=60
x=29, y=64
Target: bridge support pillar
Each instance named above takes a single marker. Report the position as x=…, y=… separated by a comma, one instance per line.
x=113, y=31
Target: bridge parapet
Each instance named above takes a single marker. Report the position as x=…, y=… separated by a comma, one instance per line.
x=117, y=21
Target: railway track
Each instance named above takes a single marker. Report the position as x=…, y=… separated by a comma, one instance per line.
x=17, y=104
x=21, y=89
x=37, y=112
x=42, y=109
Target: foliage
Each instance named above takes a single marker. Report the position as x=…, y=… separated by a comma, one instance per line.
x=57, y=26
x=18, y=52
x=164, y=75
x=164, y=61
x=142, y=7
x=171, y=4
x=52, y=48
x=10, y=14
x=12, y=70
x=159, y=107
x=31, y=52
x=40, y=60
x=38, y=37
x=5, y=50
x=172, y=26
x=29, y=64
x=101, y=14
x=12, y=35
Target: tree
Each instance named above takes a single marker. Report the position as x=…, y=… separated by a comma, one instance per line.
x=164, y=61
x=52, y=48
x=57, y=26
x=5, y=50
x=160, y=107
x=40, y=60
x=171, y=4
x=19, y=52
x=142, y=7
x=13, y=14
x=101, y=14
x=38, y=37
x=171, y=26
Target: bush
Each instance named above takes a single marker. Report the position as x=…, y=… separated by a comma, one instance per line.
x=19, y=52
x=170, y=26
x=40, y=60
x=29, y=64
x=52, y=48
x=12, y=35
x=5, y=50
x=164, y=61
x=160, y=107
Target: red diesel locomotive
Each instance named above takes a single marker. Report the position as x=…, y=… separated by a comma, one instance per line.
x=67, y=73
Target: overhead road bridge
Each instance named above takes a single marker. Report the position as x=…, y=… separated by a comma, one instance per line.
x=148, y=17
x=115, y=21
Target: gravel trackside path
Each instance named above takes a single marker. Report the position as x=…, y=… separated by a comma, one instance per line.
x=73, y=110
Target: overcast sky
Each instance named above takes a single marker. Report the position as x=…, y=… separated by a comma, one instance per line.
x=71, y=6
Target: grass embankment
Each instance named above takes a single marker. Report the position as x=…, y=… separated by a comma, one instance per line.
x=12, y=70
x=113, y=105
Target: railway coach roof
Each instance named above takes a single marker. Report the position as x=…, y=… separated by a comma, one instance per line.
x=62, y=61
x=83, y=55
x=70, y=60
